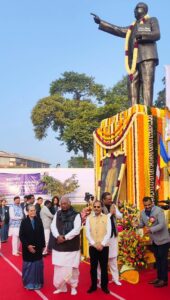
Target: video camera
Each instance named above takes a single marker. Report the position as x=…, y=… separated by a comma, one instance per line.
x=166, y=204
x=88, y=197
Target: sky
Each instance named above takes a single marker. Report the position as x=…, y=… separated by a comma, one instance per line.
x=41, y=39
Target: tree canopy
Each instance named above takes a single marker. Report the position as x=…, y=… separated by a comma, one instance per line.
x=75, y=108
x=161, y=100
x=80, y=162
x=80, y=86
x=54, y=186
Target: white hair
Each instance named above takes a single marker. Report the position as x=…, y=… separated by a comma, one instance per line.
x=65, y=199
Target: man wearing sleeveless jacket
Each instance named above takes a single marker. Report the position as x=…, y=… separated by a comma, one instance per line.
x=65, y=229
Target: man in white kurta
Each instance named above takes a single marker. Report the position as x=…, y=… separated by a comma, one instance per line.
x=15, y=215
x=66, y=262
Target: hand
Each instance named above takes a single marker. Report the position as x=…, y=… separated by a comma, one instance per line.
x=97, y=20
x=99, y=247
x=113, y=209
x=135, y=223
x=60, y=239
x=31, y=249
x=138, y=36
x=147, y=230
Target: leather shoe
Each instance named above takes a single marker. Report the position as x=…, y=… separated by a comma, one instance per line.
x=106, y=291
x=91, y=290
x=161, y=283
x=154, y=281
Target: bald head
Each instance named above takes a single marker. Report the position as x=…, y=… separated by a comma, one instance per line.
x=141, y=10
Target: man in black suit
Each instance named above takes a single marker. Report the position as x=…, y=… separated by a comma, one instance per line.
x=144, y=37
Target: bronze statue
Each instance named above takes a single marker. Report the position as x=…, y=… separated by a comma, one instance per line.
x=141, y=55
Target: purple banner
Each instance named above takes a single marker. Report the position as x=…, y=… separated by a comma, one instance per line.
x=20, y=184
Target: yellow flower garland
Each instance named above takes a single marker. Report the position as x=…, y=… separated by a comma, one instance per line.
x=132, y=70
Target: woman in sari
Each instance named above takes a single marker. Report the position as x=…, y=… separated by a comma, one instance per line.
x=33, y=242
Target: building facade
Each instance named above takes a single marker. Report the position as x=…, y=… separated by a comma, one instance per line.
x=14, y=160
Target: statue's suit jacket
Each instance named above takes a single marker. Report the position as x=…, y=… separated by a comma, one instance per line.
x=147, y=48
x=159, y=231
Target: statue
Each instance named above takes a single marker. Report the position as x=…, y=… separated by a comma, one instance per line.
x=141, y=55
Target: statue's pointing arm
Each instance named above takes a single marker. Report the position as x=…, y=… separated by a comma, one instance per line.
x=113, y=29
x=110, y=28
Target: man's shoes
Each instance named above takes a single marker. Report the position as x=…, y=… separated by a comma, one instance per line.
x=106, y=291
x=161, y=283
x=91, y=290
x=29, y=287
x=154, y=281
x=37, y=286
x=58, y=291
x=73, y=291
x=117, y=282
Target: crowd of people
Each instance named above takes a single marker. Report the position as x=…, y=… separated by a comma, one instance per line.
x=55, y=226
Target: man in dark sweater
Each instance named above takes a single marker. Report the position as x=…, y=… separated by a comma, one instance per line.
x=65, y=229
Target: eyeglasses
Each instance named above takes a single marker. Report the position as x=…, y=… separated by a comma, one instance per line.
x=97, y=206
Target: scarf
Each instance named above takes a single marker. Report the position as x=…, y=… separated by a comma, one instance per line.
x=67, y=219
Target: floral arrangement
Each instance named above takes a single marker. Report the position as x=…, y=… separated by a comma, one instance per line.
x=151, y=220
x=131, y=246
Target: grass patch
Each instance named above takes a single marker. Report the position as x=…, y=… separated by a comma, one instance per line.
x=79, y=207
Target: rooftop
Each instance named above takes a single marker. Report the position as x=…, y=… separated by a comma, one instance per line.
x=16, y=155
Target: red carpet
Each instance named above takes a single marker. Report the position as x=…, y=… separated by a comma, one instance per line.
x=11, y=283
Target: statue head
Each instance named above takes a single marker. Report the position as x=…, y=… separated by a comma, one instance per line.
x=141, y=10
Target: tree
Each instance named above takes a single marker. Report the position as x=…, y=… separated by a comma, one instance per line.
x=80, y=86
x=74, y=123
x=74, y=119
x=161, y=100
x=48, y=112
x=118, y=96
x=56, y=187
x=80, y=162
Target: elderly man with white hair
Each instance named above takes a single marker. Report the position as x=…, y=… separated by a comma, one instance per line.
x=65, y=229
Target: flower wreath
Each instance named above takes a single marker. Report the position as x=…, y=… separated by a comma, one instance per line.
x=132, y=70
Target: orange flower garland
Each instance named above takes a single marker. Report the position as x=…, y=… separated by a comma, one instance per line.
x=129, y=132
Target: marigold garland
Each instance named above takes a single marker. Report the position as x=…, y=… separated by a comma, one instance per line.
x=146, y=155
x=118, y=133
x=131, y=70
x=151, y=156
x=130, y=167
x=138, y=161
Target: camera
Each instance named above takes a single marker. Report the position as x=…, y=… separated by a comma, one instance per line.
x=166, y=204
x=88, y=197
